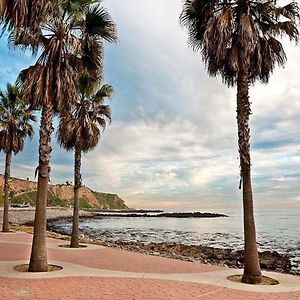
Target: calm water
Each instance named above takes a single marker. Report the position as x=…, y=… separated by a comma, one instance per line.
x=276, y=230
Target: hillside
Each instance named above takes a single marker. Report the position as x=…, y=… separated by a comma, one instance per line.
x=24, y=192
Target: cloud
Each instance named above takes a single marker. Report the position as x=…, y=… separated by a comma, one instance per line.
x=163, y=161
x=173, y=139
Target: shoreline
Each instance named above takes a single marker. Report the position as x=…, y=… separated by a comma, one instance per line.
x=270, y=261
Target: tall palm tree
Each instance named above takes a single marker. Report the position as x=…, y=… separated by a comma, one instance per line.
x=15, y=126
x=69, y=40
x=238, y=40
x=80, y=131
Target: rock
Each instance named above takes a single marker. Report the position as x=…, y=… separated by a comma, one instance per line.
x=270, y=260
x=274, y=261
x=224, y=257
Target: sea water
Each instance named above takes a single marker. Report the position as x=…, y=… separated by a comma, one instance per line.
x=277, y=230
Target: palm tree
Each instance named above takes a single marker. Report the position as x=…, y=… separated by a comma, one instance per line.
x=70, y=39
x=24, y=13
x=80, y=131
x=15, y=126
x=238, y=40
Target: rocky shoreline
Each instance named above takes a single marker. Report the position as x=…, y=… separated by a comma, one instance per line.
x=270, y=260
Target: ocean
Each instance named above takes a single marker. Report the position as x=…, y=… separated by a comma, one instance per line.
x=277, y=230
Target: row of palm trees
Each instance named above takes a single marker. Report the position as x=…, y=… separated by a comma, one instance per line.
x=236, y=38
x=78, y=130
x=67, y=36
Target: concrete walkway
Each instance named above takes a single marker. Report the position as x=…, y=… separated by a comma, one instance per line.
x=98, y=272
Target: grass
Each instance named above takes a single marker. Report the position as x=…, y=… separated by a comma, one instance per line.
x=109, y=201
x=25, y=197
x=54, y=201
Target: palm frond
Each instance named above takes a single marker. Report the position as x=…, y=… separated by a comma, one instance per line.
x=106, y=90
x=82, y=126
x=16, y=14
x=216, y=29
x=98, y=22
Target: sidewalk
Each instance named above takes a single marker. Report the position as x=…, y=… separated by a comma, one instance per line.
x=98, y=272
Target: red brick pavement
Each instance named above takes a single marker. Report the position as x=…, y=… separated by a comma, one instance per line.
x=123, y=289
x=102, y=258
x=77, y=288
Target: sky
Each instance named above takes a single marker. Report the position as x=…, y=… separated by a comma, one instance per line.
x=172, y=143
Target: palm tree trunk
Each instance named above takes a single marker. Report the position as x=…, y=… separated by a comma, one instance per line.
x=252, y=272
x=38, y=259
x=5, y=227
x=77, y=185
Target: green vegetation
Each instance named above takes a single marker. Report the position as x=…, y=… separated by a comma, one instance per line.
x=54, y=201
x=29, y=197
x=110, y=201
x=25, y=198
x=83, y=203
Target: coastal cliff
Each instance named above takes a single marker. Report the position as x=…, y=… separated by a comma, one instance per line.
x=60, y=195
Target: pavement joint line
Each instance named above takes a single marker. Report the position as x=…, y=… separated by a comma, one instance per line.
x=289, y=283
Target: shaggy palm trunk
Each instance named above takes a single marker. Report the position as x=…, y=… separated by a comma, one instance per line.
x=38, y=259
x=77, y=185
x=5, y=227
x=252, y=273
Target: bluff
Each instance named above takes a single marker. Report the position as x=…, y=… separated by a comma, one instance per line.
x=25, y=191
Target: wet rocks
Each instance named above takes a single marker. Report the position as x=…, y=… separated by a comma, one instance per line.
x=162, y=215
x=272, y=261
x=275, y=261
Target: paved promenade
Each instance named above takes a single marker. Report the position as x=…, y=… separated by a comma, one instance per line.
x=98, y=272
